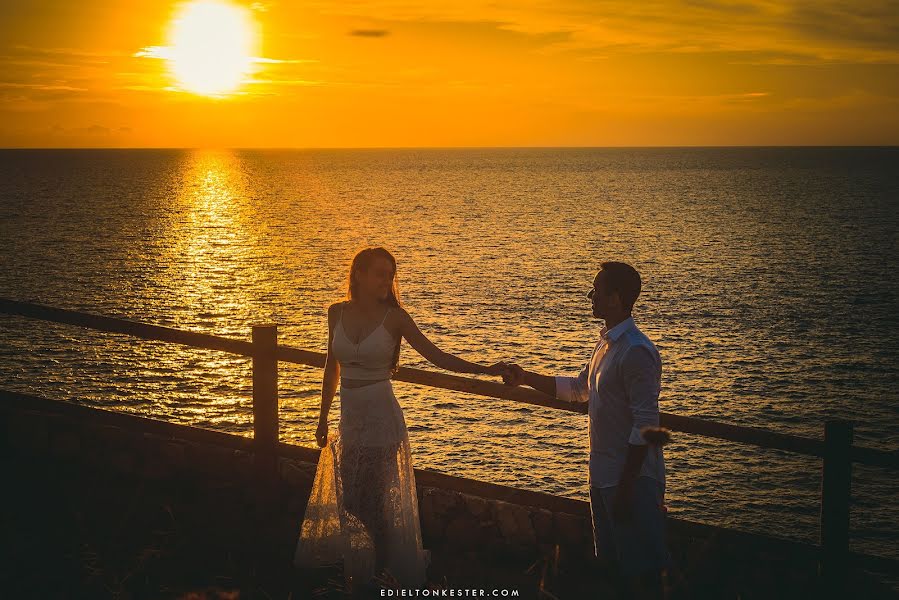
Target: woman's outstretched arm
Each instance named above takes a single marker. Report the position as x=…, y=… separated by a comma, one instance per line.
x=329, y=381
x=438, y=357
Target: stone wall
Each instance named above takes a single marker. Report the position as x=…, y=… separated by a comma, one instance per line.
x=451, y=514
x=202, y=494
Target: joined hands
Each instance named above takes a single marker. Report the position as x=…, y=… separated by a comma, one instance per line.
x=511, y=373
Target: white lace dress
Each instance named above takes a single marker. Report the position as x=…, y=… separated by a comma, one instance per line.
x=363, y=508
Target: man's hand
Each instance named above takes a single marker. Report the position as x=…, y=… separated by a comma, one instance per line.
x=499, y=368
x=514, y=375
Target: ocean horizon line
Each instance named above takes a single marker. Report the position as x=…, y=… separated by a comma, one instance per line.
x=306, y=148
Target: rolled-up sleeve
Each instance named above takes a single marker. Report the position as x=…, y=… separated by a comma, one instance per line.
x=641, y=371
x=574, y=389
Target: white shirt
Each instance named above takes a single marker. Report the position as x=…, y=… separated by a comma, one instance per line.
x=621, y=383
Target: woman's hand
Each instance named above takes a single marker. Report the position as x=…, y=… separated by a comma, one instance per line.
x=321, y=434
x=514, y=376
x=494, y=369
x=500, y=368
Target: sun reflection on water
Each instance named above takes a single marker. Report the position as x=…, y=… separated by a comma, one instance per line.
x=212, y=240
x=209, y=281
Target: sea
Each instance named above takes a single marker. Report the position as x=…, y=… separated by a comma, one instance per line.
x=769, y=287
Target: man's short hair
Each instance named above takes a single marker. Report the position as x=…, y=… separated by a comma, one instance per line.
x=622, y=278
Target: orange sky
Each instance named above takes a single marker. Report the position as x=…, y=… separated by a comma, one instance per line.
x=463, y=73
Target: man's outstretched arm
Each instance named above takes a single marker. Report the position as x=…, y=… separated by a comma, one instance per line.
x=570, y=389
x=541, y=383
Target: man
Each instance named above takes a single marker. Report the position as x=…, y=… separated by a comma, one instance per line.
x=620, y=383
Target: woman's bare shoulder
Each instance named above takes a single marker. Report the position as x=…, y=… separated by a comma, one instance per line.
x=395, y=321
x=399, y=313
x=335, y=308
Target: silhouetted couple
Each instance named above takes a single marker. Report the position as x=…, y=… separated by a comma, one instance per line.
x=363, y=508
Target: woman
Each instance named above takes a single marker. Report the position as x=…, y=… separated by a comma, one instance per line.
x=363, y=507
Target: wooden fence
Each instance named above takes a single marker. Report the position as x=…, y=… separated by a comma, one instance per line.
x=836, y=449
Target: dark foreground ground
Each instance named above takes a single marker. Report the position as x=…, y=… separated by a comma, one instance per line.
x=68, y=532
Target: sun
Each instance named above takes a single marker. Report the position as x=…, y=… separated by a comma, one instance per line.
x=212, y=45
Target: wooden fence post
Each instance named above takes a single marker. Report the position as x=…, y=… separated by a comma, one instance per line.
x=836, y=480
x=265, y=401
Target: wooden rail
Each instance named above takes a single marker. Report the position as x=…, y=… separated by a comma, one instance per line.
x=836, y=449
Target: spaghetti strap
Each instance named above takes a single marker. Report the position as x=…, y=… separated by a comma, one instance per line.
x=340, y=316
x=389, y=308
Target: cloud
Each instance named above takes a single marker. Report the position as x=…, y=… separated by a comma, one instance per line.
x=283, y=61
x=863, y=31
x=301, y=82
x=41, y=87
x=160, y=52
x=166, y=53
x=370, y=33
x=73, y=53
x=94, y=130
x=662, y=103
x=867, y=25
x=33, y=76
